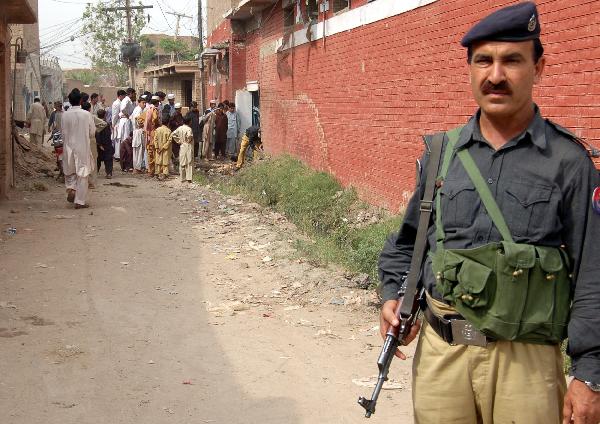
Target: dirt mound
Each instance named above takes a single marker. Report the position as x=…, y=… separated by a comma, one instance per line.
x=32, y=160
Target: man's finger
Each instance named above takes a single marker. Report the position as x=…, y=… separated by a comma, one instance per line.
x=567, y=410
x=400, y=354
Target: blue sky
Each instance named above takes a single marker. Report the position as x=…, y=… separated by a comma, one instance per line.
x=60, y=18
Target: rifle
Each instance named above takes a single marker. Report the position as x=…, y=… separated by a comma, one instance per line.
x=394, y=337
x=407, y=313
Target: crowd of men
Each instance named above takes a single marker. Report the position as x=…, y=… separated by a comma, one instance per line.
x=146, y=135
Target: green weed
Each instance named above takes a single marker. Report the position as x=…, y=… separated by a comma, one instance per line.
x=318, y=205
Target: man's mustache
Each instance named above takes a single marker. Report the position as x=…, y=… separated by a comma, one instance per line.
x=501, y=88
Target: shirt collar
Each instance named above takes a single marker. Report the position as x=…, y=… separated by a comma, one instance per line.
x=535, y=131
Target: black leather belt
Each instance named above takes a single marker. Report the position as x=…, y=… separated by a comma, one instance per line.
x=455, y=330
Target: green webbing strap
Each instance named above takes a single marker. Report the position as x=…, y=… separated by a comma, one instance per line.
x=486, y=195
x=448, y=155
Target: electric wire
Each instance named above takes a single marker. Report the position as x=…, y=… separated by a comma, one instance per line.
x=163, y=13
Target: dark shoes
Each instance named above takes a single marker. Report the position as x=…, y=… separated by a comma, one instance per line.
x=81, y=206
x=70, y=195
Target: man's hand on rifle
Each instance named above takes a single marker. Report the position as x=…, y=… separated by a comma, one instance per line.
x=388, y=317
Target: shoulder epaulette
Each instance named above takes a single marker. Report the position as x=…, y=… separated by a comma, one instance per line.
x=592, y=152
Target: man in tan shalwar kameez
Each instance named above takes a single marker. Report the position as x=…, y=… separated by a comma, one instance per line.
x=151, y=123
x=36, y=120
x=162, y=147
x=184, y=136
x=208, y=134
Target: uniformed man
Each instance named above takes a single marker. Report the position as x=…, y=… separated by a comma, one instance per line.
x=513, y=256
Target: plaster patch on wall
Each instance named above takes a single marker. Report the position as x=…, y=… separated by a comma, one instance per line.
x=304, y=100
x=269, y=48
x=323, y=145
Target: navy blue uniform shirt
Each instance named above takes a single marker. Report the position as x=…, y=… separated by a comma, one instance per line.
x=543, y=182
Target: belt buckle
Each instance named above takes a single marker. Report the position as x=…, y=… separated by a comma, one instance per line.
x=464, y=333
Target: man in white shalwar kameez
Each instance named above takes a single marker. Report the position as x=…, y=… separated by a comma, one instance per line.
x=115, y=111
x=137, y=143
x=78, y=164
x=123, y=125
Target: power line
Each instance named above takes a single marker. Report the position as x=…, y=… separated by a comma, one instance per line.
x=57, y=27
x=163, y=13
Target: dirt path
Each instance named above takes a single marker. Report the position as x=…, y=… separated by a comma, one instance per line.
x=164, y=303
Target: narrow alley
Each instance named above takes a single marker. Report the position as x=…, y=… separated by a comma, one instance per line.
x=169, y=303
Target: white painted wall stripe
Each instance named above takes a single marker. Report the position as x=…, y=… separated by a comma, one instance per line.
x=355, y=18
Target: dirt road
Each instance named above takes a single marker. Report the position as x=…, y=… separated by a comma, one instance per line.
x=170, y=304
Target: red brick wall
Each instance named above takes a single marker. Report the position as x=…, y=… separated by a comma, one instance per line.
x=358, y=107
x=223, y=91
x=5, y=96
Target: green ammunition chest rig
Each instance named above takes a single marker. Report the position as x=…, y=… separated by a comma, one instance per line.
x=506, y=290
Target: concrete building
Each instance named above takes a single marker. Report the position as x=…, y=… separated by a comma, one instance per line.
x=11, y=12
x=109, y=92
x=351, y=89
x=180, y=78
x=28, y=79
x=215, y=11
x=52, y=80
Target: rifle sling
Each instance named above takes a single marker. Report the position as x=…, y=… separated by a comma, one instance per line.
x=426, y=208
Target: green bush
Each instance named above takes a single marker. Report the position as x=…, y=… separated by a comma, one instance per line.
x=318, y=205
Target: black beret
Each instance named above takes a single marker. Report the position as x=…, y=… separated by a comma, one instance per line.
x=513, y=23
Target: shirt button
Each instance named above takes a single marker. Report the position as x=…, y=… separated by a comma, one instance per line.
x=490, y=181
x=480, y=238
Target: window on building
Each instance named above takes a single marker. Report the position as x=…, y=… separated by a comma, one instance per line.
x=288, y=13
x=312, y=9
x=339, y=5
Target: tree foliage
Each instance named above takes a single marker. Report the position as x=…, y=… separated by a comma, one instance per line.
x=106, y=30
x=86, y=76
x=180, y=48
x=148, y=52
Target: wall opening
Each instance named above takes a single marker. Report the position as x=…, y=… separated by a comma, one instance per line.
x=340, y=5
x=312, y=9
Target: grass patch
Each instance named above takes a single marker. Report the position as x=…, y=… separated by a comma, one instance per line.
x=37, y=186
x=200, y=178
x=317, y=204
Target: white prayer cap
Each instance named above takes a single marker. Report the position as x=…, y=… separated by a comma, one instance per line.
x=171, y=96
x=177, y=105
x=144, y=96
x=155, y=98
x=213, y=101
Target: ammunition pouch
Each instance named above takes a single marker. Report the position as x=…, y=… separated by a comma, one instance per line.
x=508, y=291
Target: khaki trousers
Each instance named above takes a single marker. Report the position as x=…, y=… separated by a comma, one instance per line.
x=37, y=139
x=94, y=150
x=503, y=383
x=151, y=159
x=243, y=150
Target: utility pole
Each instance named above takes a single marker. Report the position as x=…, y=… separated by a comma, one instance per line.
x=200, y=61
x=128, y=8
x=179, y=16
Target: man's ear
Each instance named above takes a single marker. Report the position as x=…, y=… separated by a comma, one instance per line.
x=539, y=69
